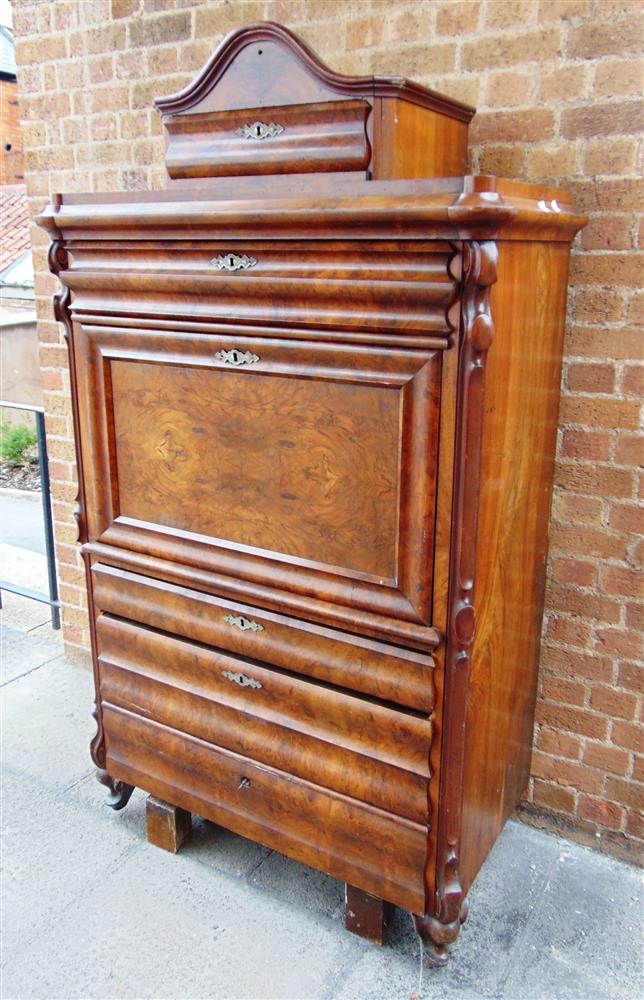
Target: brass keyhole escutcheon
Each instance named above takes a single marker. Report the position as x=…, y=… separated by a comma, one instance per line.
x=233, y=262
x=259, y=130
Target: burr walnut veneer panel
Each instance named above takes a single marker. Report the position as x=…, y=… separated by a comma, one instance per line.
x=269, y=462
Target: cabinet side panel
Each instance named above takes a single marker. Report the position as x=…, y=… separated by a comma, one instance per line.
x=519, y=437
x=410, y=141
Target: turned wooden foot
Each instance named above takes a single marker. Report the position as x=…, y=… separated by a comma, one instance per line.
x=365, y=915
x=168, y=826
x=119, y=792
x=436, y=936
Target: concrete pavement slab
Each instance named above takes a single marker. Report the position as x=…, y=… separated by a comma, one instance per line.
x=381, y=975
x=47, y=724
x=222, y=851
x=588, y=925
x=52, y=850
x=21, y=652
x=506, y=892
x=22, y=612
x=317, y=892
x=562, y=981
x=23, y=566
x=158, y=926
x=216, y=849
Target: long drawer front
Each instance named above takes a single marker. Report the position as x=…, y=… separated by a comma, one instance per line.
x=360, y=290
x=383, y=671
x=365, y=750
x=351, y=841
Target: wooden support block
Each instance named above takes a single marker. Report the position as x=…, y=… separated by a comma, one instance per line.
x=365, y=915
x=168, y=826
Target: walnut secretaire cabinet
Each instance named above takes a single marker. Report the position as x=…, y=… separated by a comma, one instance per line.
x=315, y=387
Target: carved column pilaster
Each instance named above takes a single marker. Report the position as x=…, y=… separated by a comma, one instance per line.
x=58, y=260
x=441, y=927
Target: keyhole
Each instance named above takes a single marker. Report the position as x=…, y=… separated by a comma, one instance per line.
x=244, y=783
x=231, y=260
x=258, y=130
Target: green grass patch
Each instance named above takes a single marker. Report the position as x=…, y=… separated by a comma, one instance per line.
x=17, y=444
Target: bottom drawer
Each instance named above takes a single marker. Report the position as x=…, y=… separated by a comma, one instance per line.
x=351, y=841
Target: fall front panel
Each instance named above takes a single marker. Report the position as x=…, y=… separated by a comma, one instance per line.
x=310, y=465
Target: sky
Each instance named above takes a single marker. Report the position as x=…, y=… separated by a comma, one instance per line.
x=5, y=13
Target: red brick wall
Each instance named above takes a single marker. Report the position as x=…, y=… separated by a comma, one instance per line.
x=556, y=83
x=10, y=159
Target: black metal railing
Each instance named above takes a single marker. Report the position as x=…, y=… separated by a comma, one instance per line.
x=48, y=524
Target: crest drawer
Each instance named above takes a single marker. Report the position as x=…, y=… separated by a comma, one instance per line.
x=301, y=138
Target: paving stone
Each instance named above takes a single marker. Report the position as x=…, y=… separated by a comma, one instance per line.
x=507, y=891
x=156, y=926
x=217, y=850
x=222, y=851
x=382, y=974
x=47, y=723
x=130, y=821
x=21, y=652
x=27, y=569
x=23, y=613
x=45, y=631
x=22, y=523
x=52, y=849
x=316, y=892
x=553, y=978
x=22, y=566
x=585, y=938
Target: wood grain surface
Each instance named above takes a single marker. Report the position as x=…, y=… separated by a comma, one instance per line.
x=355, y=842
x=154, y=494
x=168, y=827
x=390, y=673
x=303, y=138
x=315, y=387
x=371, y=751
x=518, y=437
x=301, y=467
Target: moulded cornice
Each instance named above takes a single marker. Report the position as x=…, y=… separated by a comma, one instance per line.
x=354, y=86
x=450, y=215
